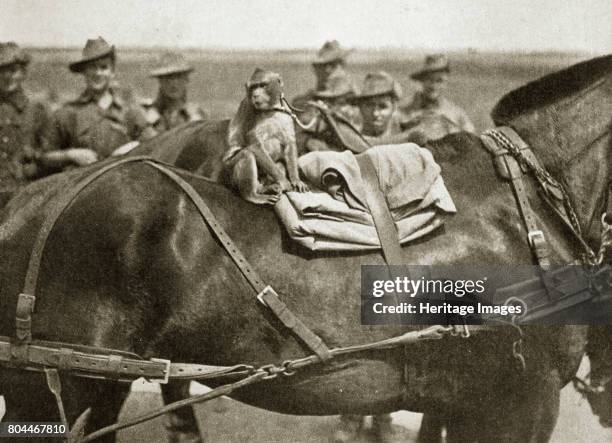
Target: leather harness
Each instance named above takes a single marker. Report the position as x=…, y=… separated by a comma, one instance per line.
x=555, y=289
x=513, y=159
x=106, y=363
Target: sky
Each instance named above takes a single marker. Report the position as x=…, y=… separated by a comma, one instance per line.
x=534, y=25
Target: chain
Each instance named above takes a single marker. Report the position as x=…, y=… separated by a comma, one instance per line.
x=517, y=345
x=541, y=174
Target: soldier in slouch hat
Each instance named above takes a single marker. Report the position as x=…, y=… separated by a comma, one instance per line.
x=429, y=111
x=96, y=123
x=377, y=103
x=171, y=107
x=22, y=122
x=330, y=62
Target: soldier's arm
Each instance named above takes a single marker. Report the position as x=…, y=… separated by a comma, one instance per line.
x=57, y=151
x=36, y=139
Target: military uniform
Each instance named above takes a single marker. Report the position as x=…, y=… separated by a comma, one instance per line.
x=164, y=113
x=82, y=123
x=435, y=118
x=163, y=118
x=101, y=125
x=330, y=52
x=22, y=125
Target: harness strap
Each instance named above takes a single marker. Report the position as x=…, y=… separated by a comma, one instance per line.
x=104, y=363
x=535, y=236
x=26, y=300
x=109, y=366
x=554, y=291
x=376, y=202
x=265, y=293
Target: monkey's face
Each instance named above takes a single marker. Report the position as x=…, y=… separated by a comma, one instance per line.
x=264, y=90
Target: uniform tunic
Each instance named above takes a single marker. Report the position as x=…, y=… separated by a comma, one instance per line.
x=163, y=118
x=22, y=126
x=435, y=120
x=81, y=123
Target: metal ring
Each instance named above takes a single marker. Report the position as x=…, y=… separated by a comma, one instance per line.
x=511, y=301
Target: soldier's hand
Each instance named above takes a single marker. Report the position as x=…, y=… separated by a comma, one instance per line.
x=82, y=156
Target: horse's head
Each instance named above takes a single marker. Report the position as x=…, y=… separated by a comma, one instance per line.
x=566, y=118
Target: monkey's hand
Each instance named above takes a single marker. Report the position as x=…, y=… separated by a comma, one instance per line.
x=299, y=186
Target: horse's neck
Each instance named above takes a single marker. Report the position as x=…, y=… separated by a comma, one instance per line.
x=571, y=138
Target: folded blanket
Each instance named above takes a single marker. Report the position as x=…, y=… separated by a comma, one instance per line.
x=335, y=217
x=406, y=172
x=319, y=222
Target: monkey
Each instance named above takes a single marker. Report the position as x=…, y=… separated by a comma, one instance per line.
x=263, y=153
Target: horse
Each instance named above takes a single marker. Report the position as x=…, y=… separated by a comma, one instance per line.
x=131, y=266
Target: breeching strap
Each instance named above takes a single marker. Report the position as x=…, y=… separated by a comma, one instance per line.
x=27, y=299
x=22, y=351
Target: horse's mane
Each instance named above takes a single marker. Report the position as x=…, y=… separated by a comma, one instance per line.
x=550, y=88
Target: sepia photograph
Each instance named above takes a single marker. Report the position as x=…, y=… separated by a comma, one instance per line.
x=306, y=222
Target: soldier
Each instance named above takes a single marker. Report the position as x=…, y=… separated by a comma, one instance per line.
x=95, y=124
x=429, y=111
x=171, y=107
x=378, y=105
x=22, y=122
x=330, y=62
x=339, y=95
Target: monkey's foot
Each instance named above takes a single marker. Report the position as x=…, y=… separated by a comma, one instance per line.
x=262, y=199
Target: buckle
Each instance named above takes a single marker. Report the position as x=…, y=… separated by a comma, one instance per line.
x=163, y=380
x=533, y=236
x=266, y=290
